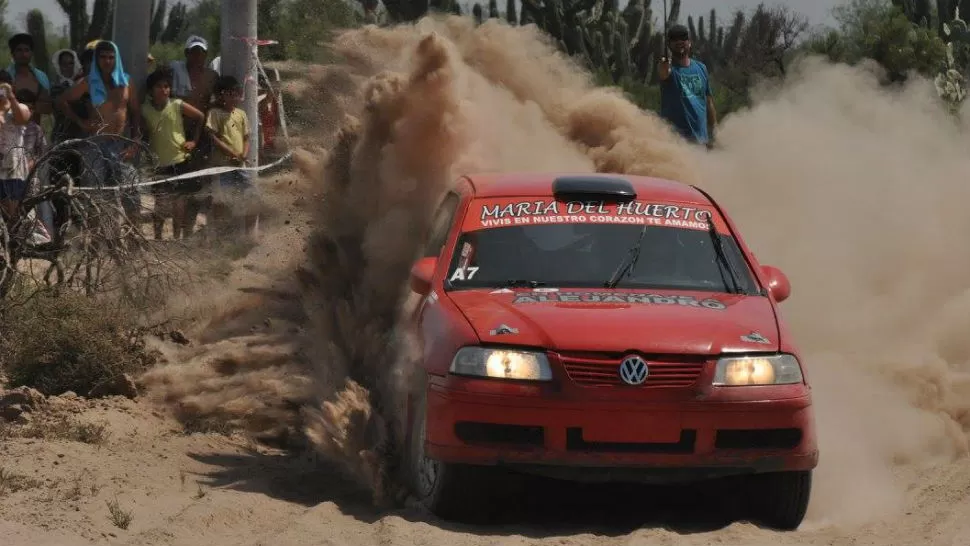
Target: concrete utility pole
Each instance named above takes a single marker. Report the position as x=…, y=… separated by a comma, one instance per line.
x=237, y=42
x=132, y=24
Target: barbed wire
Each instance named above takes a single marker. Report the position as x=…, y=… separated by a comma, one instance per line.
x=84, y=211
x=92, y=236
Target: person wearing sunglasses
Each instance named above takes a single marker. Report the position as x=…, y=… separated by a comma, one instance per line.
x=686, y=97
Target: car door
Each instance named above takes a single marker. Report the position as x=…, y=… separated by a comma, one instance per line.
x=441, y=226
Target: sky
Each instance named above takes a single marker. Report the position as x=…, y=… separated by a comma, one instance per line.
x=17, y=11
x=818, y=11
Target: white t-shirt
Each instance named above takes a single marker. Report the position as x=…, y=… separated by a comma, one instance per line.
x=13, y=164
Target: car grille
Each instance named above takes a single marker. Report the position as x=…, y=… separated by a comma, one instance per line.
x=602, y=370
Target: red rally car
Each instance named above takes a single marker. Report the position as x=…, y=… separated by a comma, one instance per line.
x=589, y=326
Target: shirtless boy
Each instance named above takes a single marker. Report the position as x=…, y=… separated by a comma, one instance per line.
x=26, y=76
x=113, y=101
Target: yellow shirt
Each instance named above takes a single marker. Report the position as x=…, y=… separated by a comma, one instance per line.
x=232, y=128
x=166, y=134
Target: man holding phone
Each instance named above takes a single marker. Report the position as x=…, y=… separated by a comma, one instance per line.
x=686, y=98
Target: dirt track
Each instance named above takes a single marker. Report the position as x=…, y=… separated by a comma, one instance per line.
x=208, y=488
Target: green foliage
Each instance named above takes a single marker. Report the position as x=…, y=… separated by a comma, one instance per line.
x=177, y=21
x=306, y=26
x=899, y=47
x=70, y=342
x=900, y=35
x=303, y=27
x=158, y=20
x=203, y=20
x=84, y=28
x=167, y=52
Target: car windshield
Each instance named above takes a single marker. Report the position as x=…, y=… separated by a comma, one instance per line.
x=555, y=253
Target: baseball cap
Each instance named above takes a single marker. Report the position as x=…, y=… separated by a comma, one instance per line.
x=678, y=32
x=196, y=41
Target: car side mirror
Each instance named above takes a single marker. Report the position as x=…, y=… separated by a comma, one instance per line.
x=421, y=274
x=778, y=285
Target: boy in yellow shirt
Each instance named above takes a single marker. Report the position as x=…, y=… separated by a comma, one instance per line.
x=230, y=131
x=162, y=124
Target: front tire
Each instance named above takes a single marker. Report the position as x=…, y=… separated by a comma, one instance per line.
x=449, y=491
x=781, y=498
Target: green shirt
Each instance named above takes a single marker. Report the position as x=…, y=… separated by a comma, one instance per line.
x=232, y=128
x=166, y=133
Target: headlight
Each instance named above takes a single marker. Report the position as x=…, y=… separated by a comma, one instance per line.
x=501, y=364
x=757, y=370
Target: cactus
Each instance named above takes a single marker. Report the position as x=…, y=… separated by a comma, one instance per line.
x=37, y=29
x=917, y=11
x=101, y=19
x=493, y=9
x=481, y=14
x=598, y=33
x=950, y=82
x=177, y=17
x=158, y=21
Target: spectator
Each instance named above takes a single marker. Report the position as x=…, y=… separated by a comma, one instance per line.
x=67, y=67
x=35, y=146
x=686, y=99
x=13, y=165
x=162, y=123
x=194, y=81
x=67, y=70
x=35, y=141
x=26, y=75
x=110, y=93
x=112, y=98
x=230, y=131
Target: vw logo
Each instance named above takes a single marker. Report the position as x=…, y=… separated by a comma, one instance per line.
x=633, y=370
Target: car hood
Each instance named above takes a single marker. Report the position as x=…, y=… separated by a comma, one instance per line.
x=655, y=322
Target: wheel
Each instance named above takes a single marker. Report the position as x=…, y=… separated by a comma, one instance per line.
x=781, y=498
x=449, y=491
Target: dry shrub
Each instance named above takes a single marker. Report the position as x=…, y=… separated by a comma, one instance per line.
x=70, y=342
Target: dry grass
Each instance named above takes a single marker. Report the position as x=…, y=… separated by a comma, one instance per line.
x=58, y=428
x=120, y=517
x=83, y=484
x=12, y=482
x=70, y=342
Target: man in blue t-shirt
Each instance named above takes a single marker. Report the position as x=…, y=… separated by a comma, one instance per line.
x=686, y=99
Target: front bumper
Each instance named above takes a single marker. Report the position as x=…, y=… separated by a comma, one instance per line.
x=472, y=421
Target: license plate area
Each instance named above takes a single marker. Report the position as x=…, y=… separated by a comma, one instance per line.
x=633, y=429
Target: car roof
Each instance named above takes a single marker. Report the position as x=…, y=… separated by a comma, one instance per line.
x=490, y=185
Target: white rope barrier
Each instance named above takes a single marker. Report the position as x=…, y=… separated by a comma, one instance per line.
x=194, y=174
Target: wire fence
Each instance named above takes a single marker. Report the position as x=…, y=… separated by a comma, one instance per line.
x=96, y=208
x=94, y=213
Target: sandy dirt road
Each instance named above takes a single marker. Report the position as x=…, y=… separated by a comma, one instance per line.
x=216, y=489
x=189, y=489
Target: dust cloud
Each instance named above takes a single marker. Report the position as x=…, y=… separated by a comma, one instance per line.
x=853, y=190
x=857, y=193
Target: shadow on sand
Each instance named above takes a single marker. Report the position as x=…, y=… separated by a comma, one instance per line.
x=536, y=507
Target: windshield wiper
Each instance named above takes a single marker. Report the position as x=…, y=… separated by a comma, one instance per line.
x=722, y=257
x=628, y=262
x=517, y=283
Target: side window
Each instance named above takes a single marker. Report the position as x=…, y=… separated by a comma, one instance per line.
x=441, y=225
